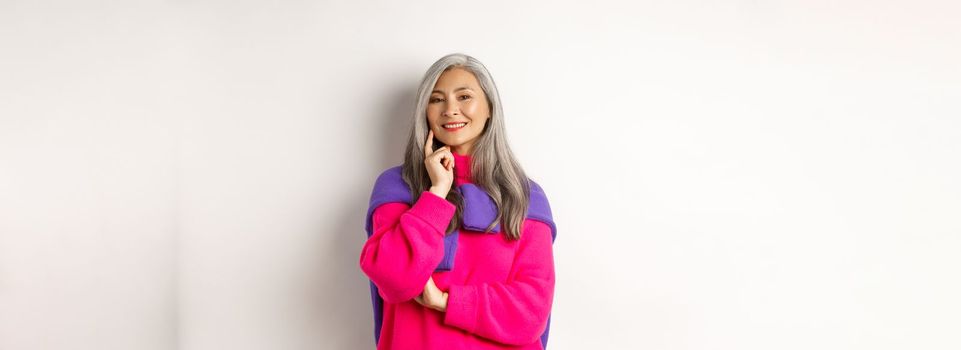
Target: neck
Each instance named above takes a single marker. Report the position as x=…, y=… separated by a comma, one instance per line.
x=464, y=149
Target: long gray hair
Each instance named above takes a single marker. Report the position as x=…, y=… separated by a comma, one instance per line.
x=493, y=165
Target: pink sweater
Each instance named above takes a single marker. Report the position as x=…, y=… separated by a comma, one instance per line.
x=499, y=294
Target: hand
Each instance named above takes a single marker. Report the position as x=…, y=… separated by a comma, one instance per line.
x=440, y=166
x=432, y=297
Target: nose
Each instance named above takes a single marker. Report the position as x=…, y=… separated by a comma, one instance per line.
x=451, y=109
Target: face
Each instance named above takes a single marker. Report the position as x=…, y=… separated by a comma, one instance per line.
x=457, y=98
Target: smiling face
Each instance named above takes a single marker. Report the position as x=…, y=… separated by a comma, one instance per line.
x=458, y=101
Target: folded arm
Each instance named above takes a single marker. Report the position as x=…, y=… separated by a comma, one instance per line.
x=406, y=245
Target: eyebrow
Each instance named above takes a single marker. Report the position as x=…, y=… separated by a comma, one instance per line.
x=455, y=90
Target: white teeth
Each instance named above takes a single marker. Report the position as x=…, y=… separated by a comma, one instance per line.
x=450, y=126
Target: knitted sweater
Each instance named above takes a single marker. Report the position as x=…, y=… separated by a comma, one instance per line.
x=499, y=296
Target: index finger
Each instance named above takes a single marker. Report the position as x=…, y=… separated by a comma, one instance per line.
x=429, y=144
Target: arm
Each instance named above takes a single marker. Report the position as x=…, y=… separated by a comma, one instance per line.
x=406, y=245
x=514, y=312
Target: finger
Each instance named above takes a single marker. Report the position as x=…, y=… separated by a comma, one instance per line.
x=430, y=142
x=449, y=157
x=440, y=152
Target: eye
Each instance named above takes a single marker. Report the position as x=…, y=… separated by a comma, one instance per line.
x=467, y=96
x=432, y=100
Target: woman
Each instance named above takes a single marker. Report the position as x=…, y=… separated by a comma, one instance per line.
x=459, y=249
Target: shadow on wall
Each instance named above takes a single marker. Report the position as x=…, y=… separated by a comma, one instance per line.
x=342, y=299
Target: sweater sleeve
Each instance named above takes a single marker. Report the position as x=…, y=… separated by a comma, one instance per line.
x=516, y=311
x=406, y=245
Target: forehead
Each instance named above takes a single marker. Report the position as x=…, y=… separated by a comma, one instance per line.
x=455, y=79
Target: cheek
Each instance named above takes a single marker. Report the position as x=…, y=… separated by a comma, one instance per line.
x=431, y=116
x=476, y=111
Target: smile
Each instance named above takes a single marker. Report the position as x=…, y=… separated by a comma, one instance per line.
x=454, y=126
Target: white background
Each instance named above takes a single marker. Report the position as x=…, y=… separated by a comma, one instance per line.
x=723, y=174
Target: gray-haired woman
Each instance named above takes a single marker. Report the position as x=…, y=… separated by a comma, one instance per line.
x=459, y=250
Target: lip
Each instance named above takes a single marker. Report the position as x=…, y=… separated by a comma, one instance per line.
x=454, y=129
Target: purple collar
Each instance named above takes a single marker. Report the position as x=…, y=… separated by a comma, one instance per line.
x=479, y=209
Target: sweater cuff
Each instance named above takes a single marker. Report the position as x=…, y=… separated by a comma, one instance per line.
x=436, y=211
x=461, y=307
